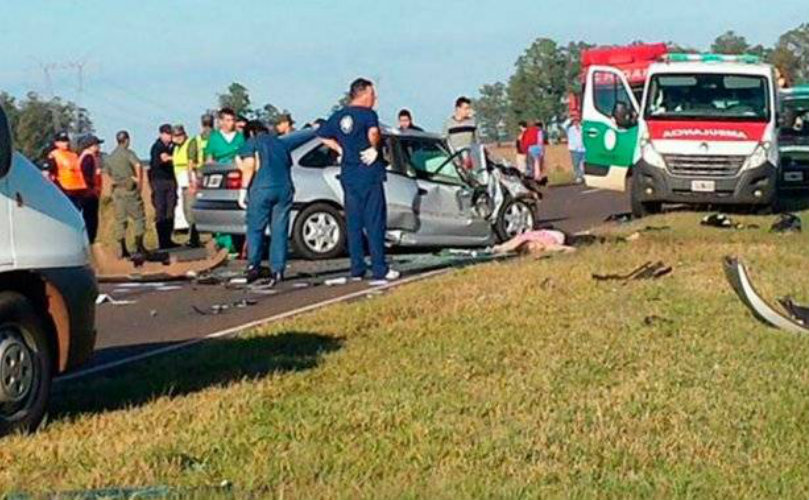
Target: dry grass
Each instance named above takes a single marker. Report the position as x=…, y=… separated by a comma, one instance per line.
x=515, y=380
x=557, y=161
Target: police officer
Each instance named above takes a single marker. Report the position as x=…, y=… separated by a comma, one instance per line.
x=65, y=171
x=183, y=173
x=353, y=132
x=164, y=186
x=270, y=200
x=126, y=174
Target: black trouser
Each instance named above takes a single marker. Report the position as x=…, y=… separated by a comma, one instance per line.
x=164, y=200
x=88, y=206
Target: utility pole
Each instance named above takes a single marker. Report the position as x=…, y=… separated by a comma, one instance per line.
x=79, y=67
x=46, y=69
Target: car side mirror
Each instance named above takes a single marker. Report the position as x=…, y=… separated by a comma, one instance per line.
x=5, y=144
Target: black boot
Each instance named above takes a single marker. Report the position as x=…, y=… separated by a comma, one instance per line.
x=160, y=229
x=169, y=233
x=193, y=237
x=139, y=246
x=124, y=252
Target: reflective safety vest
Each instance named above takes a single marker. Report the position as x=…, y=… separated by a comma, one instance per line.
x=68, y=170
x=97, y=179
x=202, y=143
x=180, y=158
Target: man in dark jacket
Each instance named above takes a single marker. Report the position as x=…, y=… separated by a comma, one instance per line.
x=164, y=186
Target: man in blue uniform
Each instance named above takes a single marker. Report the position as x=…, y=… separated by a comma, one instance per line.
x=353, y=132
x=265, y=165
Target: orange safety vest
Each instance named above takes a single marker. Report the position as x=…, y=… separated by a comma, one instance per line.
x=96, y=172
x=68, y=170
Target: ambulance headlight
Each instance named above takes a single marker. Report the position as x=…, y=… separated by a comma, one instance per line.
x=759, y=157
x=651, y=156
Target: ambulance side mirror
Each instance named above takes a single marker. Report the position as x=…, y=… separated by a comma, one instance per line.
x=5, y=145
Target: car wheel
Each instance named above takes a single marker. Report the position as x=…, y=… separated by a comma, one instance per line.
x=516, y=217
x=319, y=232
x=25, y=365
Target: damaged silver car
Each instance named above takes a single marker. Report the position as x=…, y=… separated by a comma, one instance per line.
x=435, y=198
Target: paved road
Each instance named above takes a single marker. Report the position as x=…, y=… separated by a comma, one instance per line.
x=163, y=317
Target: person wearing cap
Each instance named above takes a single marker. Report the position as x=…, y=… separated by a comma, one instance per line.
x=164, y=186
x=182, y=166
x=284, y=124
x=90, y=164
x=65, y=171
x=126, y=173
x=226, y=141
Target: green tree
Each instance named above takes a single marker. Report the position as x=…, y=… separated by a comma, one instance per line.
x=35, y=121
x=492, y=109
x=237, y=97
x=791, y=54
x=538, y=86
x=730, y=43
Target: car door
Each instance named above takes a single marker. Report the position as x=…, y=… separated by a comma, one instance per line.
x=445, y=208
x=609, y=128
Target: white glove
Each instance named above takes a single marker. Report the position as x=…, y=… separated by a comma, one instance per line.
x=242, y=201
x=369, y=156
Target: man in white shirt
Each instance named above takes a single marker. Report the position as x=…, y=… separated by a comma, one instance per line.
x=576, y=146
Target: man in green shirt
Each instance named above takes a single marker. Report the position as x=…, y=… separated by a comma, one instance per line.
x=225, y=142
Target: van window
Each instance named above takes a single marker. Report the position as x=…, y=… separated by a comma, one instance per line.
x=708, y=96
x=608, y=91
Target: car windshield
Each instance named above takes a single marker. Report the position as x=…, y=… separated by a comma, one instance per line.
x=700, y=96
x=795, y=124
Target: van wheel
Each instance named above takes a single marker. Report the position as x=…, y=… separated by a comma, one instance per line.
x=641, y=209
x=25, y=365
x=319, y=232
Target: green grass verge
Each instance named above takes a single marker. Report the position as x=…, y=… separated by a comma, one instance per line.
x=523, y=379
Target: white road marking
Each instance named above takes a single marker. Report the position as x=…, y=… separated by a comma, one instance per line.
x=590, y=191
x=234, y=331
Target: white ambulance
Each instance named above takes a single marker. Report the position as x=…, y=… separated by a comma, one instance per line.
x=705, y=132
x=47, y=288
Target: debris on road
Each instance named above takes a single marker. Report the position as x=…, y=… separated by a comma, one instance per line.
x=647, y=271
x=173, y=265
x=105, y=298
x=737, y=276
x=217, y=309
x=621, y=218
x=724, y=221
x=787, y=223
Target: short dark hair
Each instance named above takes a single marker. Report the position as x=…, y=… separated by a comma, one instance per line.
x=405, y=112
x=523, y=123
x=540, y=124
x=242, y=118
x=255, y=128
x=226, y=111
x=207, y=120
x=121, y=136
x=359, y=86
x=462, y=100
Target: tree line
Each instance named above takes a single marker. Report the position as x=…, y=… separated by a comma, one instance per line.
x=546, y=72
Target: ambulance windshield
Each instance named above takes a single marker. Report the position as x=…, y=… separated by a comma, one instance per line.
x=705, y=96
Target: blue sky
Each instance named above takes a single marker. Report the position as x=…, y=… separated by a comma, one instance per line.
x=147, y=62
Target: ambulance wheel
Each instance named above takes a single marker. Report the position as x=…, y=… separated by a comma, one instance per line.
x=641, y=209
x=25, y=365
x=319, y=232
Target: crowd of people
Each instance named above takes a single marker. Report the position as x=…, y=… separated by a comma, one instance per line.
x=264, y=163
x=532, y=142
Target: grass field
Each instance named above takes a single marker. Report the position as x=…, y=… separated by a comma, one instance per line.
x=523, y=379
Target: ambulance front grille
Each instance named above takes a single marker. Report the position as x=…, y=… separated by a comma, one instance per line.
x=704, y=165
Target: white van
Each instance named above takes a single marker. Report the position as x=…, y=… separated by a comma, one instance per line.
x=47, y=288
x=705, y=132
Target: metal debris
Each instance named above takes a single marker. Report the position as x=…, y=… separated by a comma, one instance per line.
x=647, y=271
